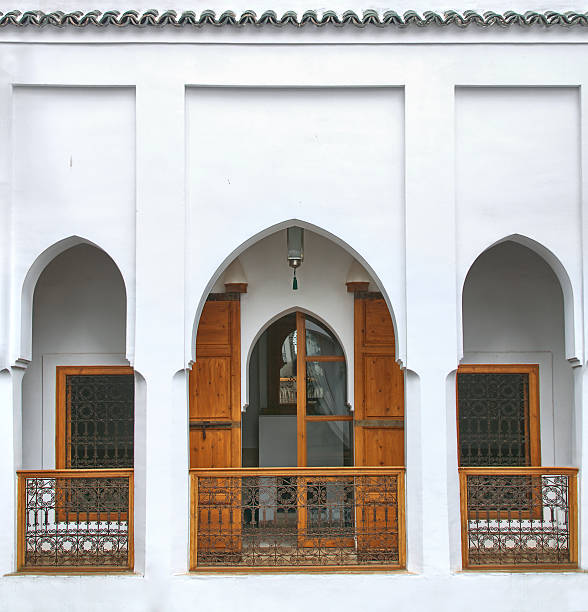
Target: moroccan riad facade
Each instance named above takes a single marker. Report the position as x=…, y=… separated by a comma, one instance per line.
x=292, y=308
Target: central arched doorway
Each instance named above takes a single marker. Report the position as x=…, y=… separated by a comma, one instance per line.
x=298, y=413
x=296, y=432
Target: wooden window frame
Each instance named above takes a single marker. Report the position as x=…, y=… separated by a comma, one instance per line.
x=532, y=416
x=62, y=453
x=532, y=419
x=302, y=418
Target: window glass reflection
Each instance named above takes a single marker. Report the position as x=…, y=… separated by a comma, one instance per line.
x=325, y=388
x=319, y=340
x=329, y=443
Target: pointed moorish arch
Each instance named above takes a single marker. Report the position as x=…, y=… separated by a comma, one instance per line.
x=24, y=306
x=572, y=310
x=228, y=326
x=264, y=234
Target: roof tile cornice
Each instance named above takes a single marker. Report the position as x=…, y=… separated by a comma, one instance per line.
x=152, y=18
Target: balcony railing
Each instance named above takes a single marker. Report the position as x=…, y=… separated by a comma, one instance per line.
x=75, y=520
x=523, y=518
x=297, y=518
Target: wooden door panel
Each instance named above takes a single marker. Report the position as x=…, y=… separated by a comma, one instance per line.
x=377, y=324
x=382, y=446
x=379, y=386
x=215, y=324
x=379, y=424
x=211, y=447
x=211, y=389
x=215, y=434
x=215, y=393
x=383, y=387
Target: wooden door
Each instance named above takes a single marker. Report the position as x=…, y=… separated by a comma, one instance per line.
x=379, y=420
x=215, y=421
x=379, y=387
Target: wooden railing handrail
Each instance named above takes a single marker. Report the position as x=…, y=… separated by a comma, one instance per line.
x=299, y=471
x=69, y=473
x=522, y=470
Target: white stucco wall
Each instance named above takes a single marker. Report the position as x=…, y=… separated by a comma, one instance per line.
x=413, y=149
x=301, y=165
x=74, y=168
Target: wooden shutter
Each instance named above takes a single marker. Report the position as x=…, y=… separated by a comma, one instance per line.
x=215, y=427
x=215, y=388
x=379, y=423
x=379, y=387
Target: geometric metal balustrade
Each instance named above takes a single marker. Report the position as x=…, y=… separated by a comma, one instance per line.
x=519, y=517
x=283, y=518
x=75, y=520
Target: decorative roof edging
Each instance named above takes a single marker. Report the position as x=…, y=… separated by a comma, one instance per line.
x=152, y=18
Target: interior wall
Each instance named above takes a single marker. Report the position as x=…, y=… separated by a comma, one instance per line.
x=513, y=313
x=79, y=317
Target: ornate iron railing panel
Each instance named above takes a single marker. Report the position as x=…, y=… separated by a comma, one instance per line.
x=519, y=517
x=75, y=520
x=264, y=518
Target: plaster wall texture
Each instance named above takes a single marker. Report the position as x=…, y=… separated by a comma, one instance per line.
x=413, y=151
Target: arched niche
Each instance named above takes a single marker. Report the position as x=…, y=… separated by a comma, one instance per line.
x=277, y=233
x=514, y=313
x=231, y=324
x=78, y=318
x=572, y=310
x=322, y=288
x=24, y=312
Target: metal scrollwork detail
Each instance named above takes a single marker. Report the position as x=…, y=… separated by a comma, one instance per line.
x=76, y=522
x=518, y=520
x=297, y=521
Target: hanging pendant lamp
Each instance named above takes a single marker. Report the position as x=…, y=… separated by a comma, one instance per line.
x=295, y=245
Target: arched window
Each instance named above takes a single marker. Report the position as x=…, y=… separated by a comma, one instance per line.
x=298, y=412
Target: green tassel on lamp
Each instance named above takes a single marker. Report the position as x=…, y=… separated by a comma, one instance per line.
x=294, y=281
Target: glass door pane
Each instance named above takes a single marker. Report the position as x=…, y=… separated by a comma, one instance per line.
x=326, y=383
x=329, y=443
x=269, y=425
x=319, y=340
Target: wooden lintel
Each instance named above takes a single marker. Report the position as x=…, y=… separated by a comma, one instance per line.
x=236, y=287
x=357, y=286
